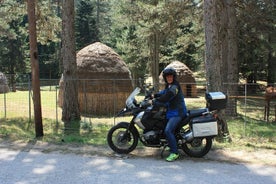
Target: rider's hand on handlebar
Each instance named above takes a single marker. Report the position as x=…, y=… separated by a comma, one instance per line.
x=157, y=95
x=149, y=96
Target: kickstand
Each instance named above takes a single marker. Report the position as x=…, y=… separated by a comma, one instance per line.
x=164, y=149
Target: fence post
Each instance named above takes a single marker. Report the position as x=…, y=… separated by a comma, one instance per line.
x=245, y=103
x=114, y=96
x=5, y=106
x=30, y=93
x=57, y=125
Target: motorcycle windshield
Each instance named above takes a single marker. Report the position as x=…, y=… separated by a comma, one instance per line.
x=131, y=98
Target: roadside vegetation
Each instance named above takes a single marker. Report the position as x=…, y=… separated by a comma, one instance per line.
x=245, y=133
x=247, y=130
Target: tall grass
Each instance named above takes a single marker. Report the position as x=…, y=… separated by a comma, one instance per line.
x=252, y=133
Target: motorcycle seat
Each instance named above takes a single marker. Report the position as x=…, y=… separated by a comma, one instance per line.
x=197, y=112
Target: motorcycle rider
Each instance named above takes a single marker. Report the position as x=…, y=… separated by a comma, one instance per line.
x=172, y=96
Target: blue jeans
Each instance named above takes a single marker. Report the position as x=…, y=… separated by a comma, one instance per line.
x=169, y=132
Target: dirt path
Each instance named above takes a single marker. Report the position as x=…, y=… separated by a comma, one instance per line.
x=261, y=156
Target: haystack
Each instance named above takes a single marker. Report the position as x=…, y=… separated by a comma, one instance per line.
x=185, y=78
x=104, y=80
x=4, y=88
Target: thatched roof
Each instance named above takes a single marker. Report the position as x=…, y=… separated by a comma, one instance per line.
x=105, y=81
x=100, y=61
x=184, y=74
x=4, y=88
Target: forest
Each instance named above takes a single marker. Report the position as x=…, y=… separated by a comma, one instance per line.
x=141, y=32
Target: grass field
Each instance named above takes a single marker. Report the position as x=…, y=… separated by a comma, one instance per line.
x=253, y=135
x=247, y=130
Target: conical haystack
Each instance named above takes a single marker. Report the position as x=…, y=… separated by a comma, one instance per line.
x=104, y=80
x=185, y=78
x=4, y=88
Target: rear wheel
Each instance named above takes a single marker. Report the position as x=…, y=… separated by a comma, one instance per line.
x=121, y=139
x=198, y=147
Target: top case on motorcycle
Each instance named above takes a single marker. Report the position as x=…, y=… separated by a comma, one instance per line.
x=216, y=100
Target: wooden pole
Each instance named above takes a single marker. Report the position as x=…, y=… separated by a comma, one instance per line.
x=35, y=68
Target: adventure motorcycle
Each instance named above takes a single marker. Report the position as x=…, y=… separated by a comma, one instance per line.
x=194, y=133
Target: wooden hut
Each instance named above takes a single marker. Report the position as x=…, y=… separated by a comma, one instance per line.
x=185, y=78
x=104, y=80
x=4, y=88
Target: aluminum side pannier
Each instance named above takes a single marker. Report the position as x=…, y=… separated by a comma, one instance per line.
x=204, y=126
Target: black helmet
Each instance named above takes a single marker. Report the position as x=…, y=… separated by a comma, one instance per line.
x=169, y=71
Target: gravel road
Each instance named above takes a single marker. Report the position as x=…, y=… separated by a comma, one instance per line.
x=30, y=165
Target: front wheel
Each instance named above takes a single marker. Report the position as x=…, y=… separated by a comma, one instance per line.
x=198, y=147
x=122, y=139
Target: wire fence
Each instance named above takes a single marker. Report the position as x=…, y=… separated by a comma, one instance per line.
x=105, y=99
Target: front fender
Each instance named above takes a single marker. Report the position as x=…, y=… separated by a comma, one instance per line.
x=123, y=112
x=128, y=126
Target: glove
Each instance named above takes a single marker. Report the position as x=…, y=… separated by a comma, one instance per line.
x=149, y=96
x=156, y=95
x=156, y=103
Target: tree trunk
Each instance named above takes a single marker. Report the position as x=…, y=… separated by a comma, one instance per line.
x=212, y=53
x=232, y=59
x=229, y=51
x=271, y=67
x=217, y=60
x=70, y=106
x=35, y=68
x=154, y=53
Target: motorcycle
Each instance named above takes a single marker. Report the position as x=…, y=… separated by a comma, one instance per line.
x=194, y=134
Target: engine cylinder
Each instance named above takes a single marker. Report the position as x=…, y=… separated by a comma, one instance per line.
x=188, y=136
